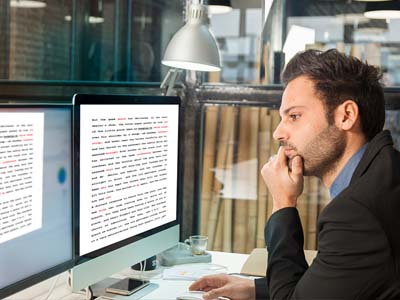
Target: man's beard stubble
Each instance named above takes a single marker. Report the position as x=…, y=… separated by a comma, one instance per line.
x=321, y=155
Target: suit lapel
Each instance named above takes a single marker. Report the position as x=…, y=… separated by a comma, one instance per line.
x=381, y=140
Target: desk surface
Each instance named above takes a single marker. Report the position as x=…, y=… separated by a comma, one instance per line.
x=167, y=289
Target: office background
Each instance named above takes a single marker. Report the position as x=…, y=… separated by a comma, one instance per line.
x=50, y=52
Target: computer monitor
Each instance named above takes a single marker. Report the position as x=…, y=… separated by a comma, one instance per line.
x=36, y=240
x=128, y=188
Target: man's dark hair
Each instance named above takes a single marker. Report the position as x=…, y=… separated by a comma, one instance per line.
x=337, y=78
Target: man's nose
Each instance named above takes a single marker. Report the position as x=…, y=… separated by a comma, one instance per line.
x=280, y=133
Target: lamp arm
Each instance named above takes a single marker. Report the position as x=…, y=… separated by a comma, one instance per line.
x=169, y=80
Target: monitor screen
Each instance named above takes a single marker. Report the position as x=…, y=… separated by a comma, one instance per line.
x=127, y=150
x=36, y=240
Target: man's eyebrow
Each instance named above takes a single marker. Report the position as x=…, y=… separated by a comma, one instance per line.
x=287, y=110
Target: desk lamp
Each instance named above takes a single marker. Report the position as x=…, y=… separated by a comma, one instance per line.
x=193, y=47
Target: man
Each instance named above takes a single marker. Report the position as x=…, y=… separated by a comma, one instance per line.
x=332, y=114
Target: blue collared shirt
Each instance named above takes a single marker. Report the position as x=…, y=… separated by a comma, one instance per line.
x=342, y=181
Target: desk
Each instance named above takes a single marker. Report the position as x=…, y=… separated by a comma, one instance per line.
x=167, y=289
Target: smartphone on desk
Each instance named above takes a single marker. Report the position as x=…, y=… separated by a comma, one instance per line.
x=127, y=286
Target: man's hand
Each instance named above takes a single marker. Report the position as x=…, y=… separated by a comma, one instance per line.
x=284, y=184
x=222, y=285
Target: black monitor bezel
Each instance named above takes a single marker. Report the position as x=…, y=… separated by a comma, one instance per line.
x=112, y=99
x=65, y=266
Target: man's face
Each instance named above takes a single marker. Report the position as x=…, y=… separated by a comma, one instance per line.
x=305, y=131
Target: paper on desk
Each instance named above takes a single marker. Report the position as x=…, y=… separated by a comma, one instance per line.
x=190, y=273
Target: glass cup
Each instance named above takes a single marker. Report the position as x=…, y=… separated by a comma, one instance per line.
x=197, y=243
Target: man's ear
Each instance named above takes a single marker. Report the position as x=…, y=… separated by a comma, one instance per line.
x=347, y=115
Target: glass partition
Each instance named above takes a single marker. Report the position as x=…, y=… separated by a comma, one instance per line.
x=236, y=141
x=236, y=136
x=235, y=203
x=88, y=40
x=330, y=24
x=238, y=35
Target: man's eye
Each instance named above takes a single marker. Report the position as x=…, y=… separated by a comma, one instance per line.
x=294, y=117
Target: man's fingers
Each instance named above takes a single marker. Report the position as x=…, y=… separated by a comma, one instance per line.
x=215, y=293
x=207, y=282
x=297, y=166
x=281, y=156
x=198, y=285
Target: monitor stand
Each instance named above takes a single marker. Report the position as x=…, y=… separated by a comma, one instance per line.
x=99, y=290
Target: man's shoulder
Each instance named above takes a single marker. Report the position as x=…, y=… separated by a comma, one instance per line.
x=378, y=184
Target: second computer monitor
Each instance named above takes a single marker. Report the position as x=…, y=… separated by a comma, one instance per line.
x=128, y=194
x=35, y=194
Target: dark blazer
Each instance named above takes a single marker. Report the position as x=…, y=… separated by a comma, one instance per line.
x=358, y=238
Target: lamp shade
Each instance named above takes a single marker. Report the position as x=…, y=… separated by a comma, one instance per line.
x=382, y=10
x=193, y=47
x=219, y=6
